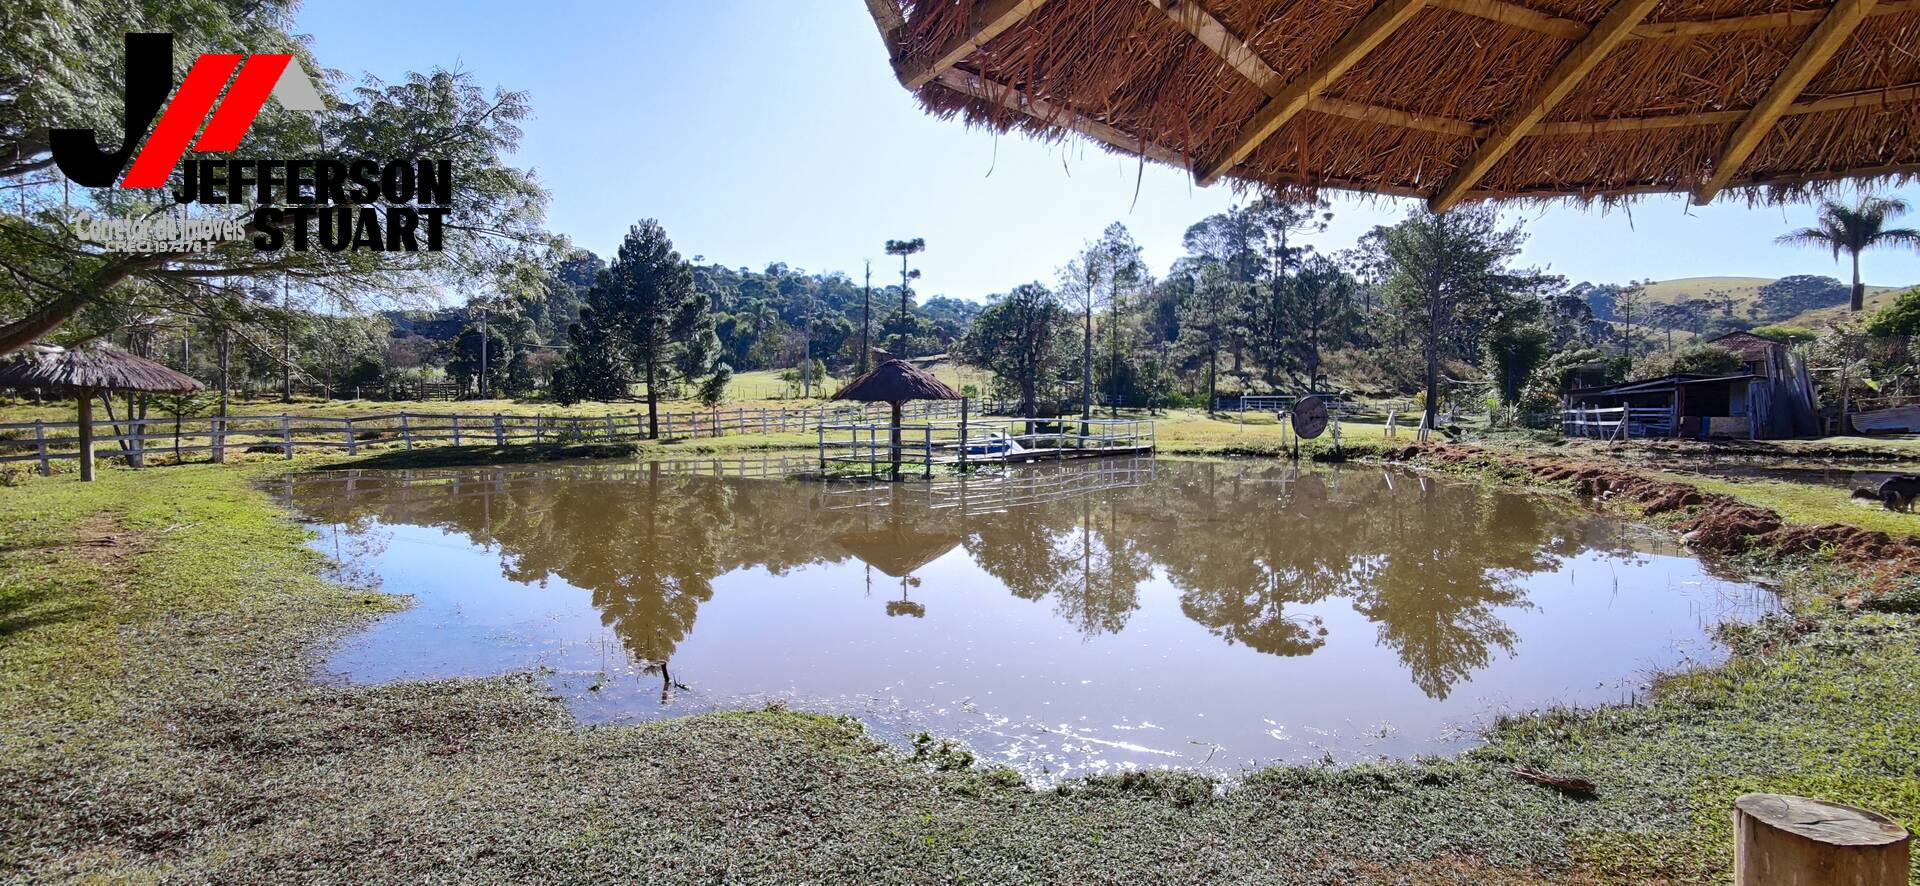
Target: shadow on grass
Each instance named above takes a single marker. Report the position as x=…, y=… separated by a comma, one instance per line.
x=23, y=609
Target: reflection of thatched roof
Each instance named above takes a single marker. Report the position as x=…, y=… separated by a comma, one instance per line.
x=98, y=367
x=895, y=381
x=1441, y=99
x=897, y=551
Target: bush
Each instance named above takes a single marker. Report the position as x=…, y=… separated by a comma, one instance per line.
x=1900, y=318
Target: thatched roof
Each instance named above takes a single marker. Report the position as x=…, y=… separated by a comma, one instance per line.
x=97, y=367
x=1448, y=100
x=896, y=381
x=897, y=551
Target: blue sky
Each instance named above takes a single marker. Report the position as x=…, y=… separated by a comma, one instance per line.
x=772, y=130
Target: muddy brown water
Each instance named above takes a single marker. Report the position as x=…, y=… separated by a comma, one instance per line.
x=1063, y=619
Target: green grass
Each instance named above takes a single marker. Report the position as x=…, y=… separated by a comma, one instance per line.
x=158, y=632
x=1808, y=505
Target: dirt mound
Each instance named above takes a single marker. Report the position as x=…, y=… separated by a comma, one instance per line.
x=1710, y=522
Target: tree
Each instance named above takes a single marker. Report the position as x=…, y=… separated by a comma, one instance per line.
x=1447, y=277
x=1019, y=338
x=644, y=312
x=904, y=248
x=597, y=365
x=1900, y=318
x=1853, y=230
x=713, y=390
x=50, y=274
x=1208, y=310
x=1320, y=311
x=1271, y=313
x=1126, y=272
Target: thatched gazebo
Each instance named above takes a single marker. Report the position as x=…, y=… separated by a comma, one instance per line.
x=84, y=372
x=1445, y=100
x=895, y=382
x=898, y=552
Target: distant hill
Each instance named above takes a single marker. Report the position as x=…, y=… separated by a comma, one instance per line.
x=1744, y=298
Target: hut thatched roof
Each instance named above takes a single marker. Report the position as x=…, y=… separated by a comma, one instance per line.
x=898, y=551
x=896, y=381
x=97, y=367
x=1448, y=100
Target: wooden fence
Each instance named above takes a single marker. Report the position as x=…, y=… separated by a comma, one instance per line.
x=136, y=440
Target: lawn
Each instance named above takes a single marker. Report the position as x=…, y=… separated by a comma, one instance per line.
x=159, y=631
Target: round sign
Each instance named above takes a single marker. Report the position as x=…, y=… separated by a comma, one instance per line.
x=1310, y=417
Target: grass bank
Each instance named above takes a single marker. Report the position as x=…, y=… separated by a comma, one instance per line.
x=158, y=632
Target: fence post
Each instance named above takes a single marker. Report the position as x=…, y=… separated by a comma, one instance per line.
x=406, y=431
x=218, y=425
x=611, y=436
x=40, y=444
x=499, y=431
x=286, y=436
x=963, y=435
x=456, y=429
x=353, y=447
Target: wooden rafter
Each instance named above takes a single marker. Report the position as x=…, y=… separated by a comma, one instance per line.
x=1812, y=57
x=1386, y=18
x=1012, y=99
x=990, y=19
x=1570, y=29
x=1566, y=76
x=886, y=17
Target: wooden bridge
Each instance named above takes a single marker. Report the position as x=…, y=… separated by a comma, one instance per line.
x=874, y=448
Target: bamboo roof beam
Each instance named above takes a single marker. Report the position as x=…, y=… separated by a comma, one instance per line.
x=1014, y=100
x=1812, y=57
x=1362, y=38
x=990, y=19
x=1566, y=76
x=1570, y=29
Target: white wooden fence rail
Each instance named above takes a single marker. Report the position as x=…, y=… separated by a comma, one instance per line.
x=137, y=439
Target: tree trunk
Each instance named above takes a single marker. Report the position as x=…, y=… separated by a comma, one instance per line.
x=1433, y=359
x=653, y=405
x=86, y=435
x=1859, y=289
x=1086, y=362
x=895, y=441
x=1792, y=841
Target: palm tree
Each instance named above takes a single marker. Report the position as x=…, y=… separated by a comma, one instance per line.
x=1853, y=230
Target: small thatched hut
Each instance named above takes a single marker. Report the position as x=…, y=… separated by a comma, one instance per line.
x=1446, y=100
x=84, y=372
x=895, y=382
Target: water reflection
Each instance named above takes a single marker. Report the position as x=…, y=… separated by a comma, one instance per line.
x=1009, y=573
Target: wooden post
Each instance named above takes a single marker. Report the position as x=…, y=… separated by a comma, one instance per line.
x=499, y=431
x=40, y=444
x=1794, y=841
x=406, y=431
x=353, y=446
x=286, y=436
x=86, y=435
x=963, y=435
x=456, y=429
x=894, y=448
x=611, y=434
x=218, y=424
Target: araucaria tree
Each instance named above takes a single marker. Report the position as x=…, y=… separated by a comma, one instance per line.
x=1020, y=338
x=1447, y=277
x=645, y=308
x=1855, y=229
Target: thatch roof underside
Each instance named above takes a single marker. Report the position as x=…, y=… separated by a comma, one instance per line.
x=95, y=367
x=896, y=381
x=1447, y=100
x=897, y=551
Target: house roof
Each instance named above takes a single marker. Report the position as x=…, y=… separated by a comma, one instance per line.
x=1656, y=385
x=1746, y=344
x=1446, y=100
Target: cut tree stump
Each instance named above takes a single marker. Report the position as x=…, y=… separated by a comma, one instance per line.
x=1794, y=841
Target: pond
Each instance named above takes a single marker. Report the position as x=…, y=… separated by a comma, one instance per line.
x=1062, y=619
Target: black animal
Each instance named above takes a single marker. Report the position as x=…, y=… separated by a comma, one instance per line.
x=1899, y=493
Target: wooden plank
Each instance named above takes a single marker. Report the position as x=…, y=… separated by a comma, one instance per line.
x=1566, y=76
x=1517, y=16
x=1386, y=18
x=990, y=19
x=1215, y=35
x=1814, y=53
